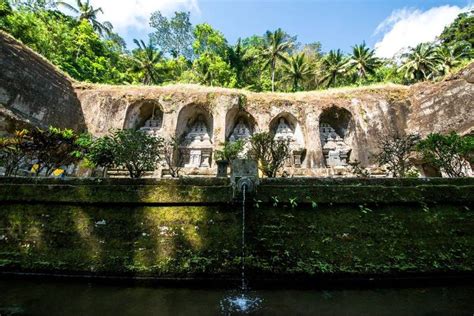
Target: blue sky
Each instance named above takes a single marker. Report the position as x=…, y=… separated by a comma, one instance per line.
x=387, y=26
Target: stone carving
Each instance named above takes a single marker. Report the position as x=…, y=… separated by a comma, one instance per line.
x=241, y=131
x=197, y=146
x=285, y=132
x=153, y=125
x=336, y=152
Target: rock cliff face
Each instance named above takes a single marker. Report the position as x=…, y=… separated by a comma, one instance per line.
x=32, y=90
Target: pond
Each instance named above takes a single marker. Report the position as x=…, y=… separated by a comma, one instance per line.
x=21, y=297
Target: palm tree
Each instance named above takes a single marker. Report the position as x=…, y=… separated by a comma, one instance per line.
x=86, y=12
x=276, y=46
x=297, y=70
x=239, y=60
x=420, y=63
x=363, y=60
x=334, y=66
x=451, y=56
x=146, y=58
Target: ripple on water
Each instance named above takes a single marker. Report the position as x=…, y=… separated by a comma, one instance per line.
x=243, y=303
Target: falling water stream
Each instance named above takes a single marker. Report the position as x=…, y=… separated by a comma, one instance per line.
x=243, y=301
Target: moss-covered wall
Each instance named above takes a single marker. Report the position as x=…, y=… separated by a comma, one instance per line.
x=190, y=238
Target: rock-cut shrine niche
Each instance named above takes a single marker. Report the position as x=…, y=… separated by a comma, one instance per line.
x=334, y=131
x=146, y=116
x=240, y=126
x=286, y=127
x=196, y=138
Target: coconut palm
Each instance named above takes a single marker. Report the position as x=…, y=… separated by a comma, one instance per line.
x=451, y=56
x=297, y=70
x=145, y=59
x=334, y=66
x=239, y=60
x=87, y=12
x=363, y=60
x=420, y=63
x=276, y=46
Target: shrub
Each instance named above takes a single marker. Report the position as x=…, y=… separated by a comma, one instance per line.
x=449, y=153
x=13, y=151
x=101, y=153
x=230, y=151
x=52, y=148
x=173, y=160
x=270, y=153
x=395, y=152
x=136, y=151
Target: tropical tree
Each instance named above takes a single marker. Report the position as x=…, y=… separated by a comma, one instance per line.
x=240, y=60
x=145, y=59
x=333, y=67
x=462, y=29
x=363, y=60
x=452, y=56
x=420, y=63
x=297, y=70
x=85, y=11
x=174, y=36
x=276, y=47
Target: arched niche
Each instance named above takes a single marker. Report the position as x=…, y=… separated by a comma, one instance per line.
x=285, y=126
x=239, y=124
x=194, y=130
x=146, y=115
x=336, y=130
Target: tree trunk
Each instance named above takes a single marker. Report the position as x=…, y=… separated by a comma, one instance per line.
x=273, y=78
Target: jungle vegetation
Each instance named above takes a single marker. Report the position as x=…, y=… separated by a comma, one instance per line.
x=72, y=36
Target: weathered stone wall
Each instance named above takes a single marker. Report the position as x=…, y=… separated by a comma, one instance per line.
x=445, y=106
x=374, y=111
x=32, y=91
x=190, y=228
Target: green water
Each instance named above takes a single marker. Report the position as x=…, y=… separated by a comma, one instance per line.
x=19, y=297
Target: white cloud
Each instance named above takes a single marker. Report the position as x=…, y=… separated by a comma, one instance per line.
x=126, y=14
x=409, y=27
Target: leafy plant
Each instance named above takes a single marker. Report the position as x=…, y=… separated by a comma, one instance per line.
x=136, y=151
x=13, y=151
x=395, y=151
x=270, y=153
x=293, y=202
x=173, y=160
x=230, y=151
x=450, y=153
x=358, y=170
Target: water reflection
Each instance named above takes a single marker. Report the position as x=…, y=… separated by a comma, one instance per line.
x=74, y=298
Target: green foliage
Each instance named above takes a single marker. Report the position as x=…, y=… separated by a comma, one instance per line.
x=146, y=59
x=333, y=67
x=101, y=152
x=297, y=70
x=363, y=61
x=52, y=149
x=462, y=29
x=88, y=50
x=395, y=152
x=449, y=153
x=230, y=151
x=276, y=45
x=270, y=153
x=12, y=151
x=207, y=40
x=136, y=151
x=173, y=36
x=173, y=160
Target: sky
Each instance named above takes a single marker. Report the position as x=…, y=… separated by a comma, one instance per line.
x=388, y=26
